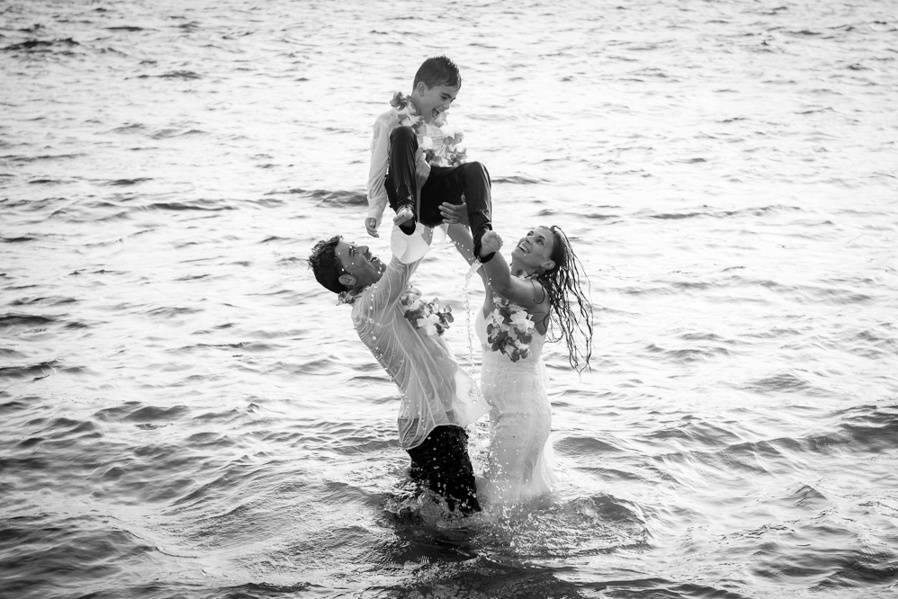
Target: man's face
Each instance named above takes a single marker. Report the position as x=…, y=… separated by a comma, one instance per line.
x=433, y=101
x=358, y=263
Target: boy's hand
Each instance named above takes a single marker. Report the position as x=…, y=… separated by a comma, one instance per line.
x=455, y=213
x=371, y=226
x=490, y=243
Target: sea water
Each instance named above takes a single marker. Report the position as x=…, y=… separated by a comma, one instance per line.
x=186, y=413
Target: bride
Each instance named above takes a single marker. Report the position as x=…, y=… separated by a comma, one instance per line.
x=538, y=296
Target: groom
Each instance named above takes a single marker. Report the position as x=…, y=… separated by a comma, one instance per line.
x=438, y=398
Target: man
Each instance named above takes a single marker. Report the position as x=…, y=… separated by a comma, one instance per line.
x=438, y=398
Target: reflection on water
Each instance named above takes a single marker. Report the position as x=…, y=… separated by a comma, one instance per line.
x=187, y=414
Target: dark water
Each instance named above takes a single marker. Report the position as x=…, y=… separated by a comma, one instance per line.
x=185, y=413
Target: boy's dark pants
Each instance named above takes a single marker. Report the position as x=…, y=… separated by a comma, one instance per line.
x=441, y=463
x=445, y=184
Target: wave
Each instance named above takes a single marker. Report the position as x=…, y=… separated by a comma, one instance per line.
x=203, y=205
x=170, y=132
x=30, y=320
x=333, y=197
x=860, y=568
x=155, y=413
x=19, y=159
x=499, y=552
x=187, y=75
x=44, y=181
x=688, y=354
x=64, y=550
x=54, y=300
x=519, y=180
x=35, y=45
x=36, y=371
x=127, y=182
x=707, y=212
x=785, y=381
x=585, y=446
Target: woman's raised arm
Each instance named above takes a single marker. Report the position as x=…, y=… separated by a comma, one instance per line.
x=525, y=292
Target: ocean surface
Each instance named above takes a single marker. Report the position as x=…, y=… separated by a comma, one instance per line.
x=185, y=413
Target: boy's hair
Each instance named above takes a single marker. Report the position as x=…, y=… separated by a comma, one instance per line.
x=326, y=265
x=438, y=70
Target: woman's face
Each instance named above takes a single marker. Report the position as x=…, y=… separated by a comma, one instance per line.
x=534, y=250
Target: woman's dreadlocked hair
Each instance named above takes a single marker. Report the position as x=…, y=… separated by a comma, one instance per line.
x=570, y=313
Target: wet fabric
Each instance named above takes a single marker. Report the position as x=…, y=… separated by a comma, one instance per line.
x=435, y=391
x=441, y=463
x=518, y=467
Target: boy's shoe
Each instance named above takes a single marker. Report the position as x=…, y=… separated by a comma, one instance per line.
x=404, y=214
x=409, y=246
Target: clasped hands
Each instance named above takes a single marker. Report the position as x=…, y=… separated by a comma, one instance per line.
x=452, y=214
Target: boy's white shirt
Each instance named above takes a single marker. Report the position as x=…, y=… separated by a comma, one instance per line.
x=380, y=159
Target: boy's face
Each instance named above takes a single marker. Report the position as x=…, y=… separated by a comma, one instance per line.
x=432, y=101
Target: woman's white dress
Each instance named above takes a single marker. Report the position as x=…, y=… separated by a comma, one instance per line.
x=520, y=420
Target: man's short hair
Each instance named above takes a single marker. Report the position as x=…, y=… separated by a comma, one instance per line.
x=438, y=70
x=326, y=265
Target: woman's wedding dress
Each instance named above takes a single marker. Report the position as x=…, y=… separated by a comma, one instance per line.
x=520, y=420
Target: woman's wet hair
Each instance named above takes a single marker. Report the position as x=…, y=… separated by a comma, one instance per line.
x=570, y=312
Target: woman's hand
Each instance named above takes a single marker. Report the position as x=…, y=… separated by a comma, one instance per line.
x=455, y=213
x=490, y=243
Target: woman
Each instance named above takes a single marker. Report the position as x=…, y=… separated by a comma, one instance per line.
x=538, y=296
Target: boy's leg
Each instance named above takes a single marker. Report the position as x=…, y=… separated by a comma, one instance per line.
x=447, y=184
x=441, y=462
x=401, y=183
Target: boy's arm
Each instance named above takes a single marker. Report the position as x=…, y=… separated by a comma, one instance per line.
x=377, y=172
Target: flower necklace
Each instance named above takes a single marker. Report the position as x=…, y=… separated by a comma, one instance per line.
x=349, y=296
x=509, y=329
x=431, y=317
x=442, y=150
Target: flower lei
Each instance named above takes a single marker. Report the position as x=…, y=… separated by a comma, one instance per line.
x=448, y=152
x=431, y=317
x=347, y=297
x=509, y=329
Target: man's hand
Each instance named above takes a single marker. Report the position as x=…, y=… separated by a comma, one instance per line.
x=371, y=226
x=422, y=168
x=455, y=213
x=490, y=243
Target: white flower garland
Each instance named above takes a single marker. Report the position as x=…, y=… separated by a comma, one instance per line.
x=509, y=329
x=431, y=317
x=449, y=152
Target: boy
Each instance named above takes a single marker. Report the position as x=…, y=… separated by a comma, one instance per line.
x=415, y=165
